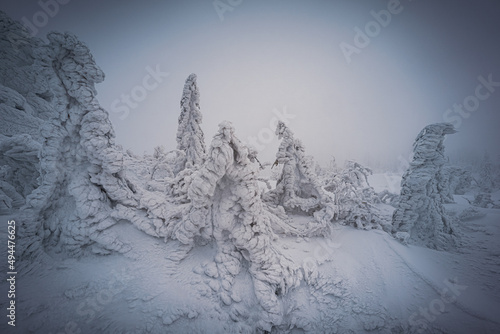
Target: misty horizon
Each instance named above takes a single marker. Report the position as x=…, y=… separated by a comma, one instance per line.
x=358, y=80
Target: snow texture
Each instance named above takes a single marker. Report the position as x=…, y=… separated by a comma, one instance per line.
x=420, y=217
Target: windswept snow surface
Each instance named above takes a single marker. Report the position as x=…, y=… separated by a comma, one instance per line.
x=354, y=282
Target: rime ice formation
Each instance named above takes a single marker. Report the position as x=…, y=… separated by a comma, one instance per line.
x=19, y=169
x=486, y=175
x=190, y=138
x=190, y=153
x=345, y=197
x=58, y=157
x=226, y=205
x=420, y=217
x=483, y=200
x=298, y=189
x=470, y=213
x=354, y=197
x=78, y=164
x=453, y=180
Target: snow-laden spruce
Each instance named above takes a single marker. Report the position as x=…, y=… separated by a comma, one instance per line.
x=190, y=138
x=191, y=152
x=486, y=177
x=420, y=217
x=354, y=198
x=298, y=188
x=453, y=181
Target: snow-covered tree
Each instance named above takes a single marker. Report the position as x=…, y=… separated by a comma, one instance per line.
x=166, y=165
x=388, y=197
x=358, y=176
x=453, y=180
x=420, y=217
x=190, y=138
x=298, y=188
x=64, y=155
x=225, y=204
x=191, y=152
x=486, y=177
x=484, y=200
x=75, y=182
x=9, y=196
x=19, y=168
x=354, y=197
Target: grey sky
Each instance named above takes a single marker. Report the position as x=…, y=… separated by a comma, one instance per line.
x=286, y=55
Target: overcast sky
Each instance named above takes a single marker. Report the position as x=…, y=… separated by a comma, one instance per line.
x=352, y=87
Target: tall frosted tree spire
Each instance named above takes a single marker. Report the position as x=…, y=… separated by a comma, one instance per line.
x=190, y=138
x=298, y=187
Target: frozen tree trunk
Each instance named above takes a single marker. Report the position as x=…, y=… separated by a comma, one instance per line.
x=190, y=138
x=420, y=217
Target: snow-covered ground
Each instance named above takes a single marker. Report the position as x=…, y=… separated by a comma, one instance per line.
x=355, y=281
